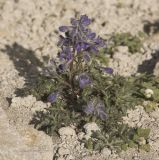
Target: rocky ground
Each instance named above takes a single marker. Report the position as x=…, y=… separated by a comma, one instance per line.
x=29, y=33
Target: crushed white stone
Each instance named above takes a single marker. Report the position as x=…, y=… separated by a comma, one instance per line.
x=67, y=131
x=106, y=152
x=137, y=117
x=90, y=127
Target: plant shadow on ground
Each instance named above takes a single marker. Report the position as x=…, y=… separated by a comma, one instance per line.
x=148, y=66
x=26, y=63
x=151, y=28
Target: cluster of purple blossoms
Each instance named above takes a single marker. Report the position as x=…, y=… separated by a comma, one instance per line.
x=96, y=108
x=78, y=38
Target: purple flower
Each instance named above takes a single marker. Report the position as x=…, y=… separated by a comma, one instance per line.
x=74, y=22
x=85, y=20
x=89, y=109
x=97, y=108
x=94, y=49
x=99, y=41
x=79, y=37
x=84, y=80
x=107, y=70
x=82, y=46
x=85, y=45
x=63, y=28
x=78, y=48
x=63, y=41
x=91, y=35
x=66, y=54
x=52, y=97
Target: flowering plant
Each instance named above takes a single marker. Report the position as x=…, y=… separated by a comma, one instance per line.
x=82, y=88
x=76, y=66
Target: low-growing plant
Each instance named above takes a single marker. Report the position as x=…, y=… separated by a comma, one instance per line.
x=134, y=43
x=82, y=88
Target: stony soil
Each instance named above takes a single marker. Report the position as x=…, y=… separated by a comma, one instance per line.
x=29, y=33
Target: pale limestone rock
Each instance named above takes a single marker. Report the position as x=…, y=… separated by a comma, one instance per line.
x=81, y=135
x=14, y=145
x=90, y=127
x=70, y=157
x=137, y=117
x=67, y=131
x=122, y=49
x=106, y=152
x=63, y=151
x=22, y=109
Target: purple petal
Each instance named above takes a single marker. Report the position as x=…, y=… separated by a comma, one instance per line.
x=63, y=28
x=52, y=97
x=85, y=20
x=91, y=35
x=107, y=70
x=61, y=41
x=74, y=22
x=89, y=109
x=69, y=56
x=85, y=46
x=78, y=48
x=94, y=49
x=66, y=54
x=62, y=56
x=84, y=80
x=100, y=42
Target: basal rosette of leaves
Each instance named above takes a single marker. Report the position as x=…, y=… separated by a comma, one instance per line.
x=82, y=88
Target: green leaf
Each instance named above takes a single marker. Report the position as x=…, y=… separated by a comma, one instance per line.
x=89, y=144
x=156, y=94
x=150, y=106
x=124, y=147
x=143, y=132
x=145, y=147
x=136, y=137
x=127, y=39
x=131, y=144
x=102, y=59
